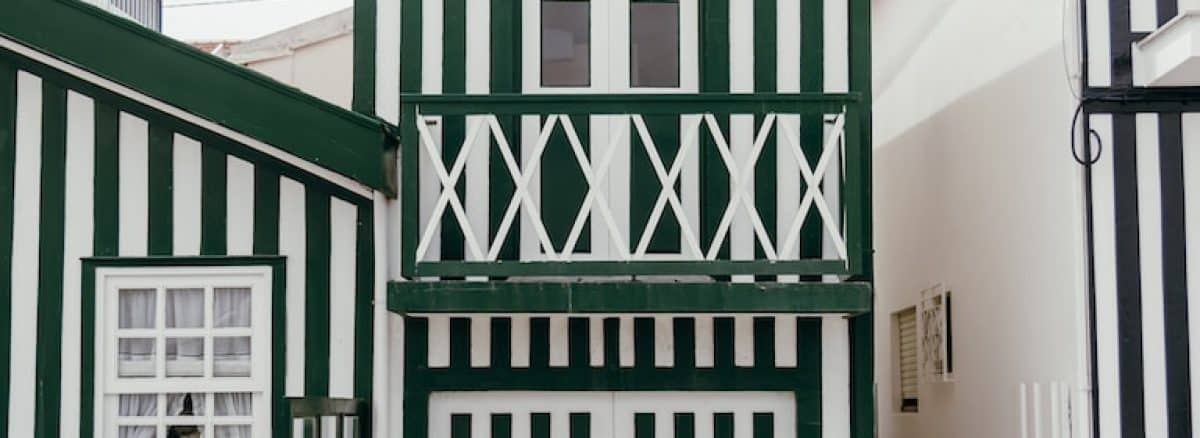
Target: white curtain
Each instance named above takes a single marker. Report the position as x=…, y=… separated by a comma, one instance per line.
x=231, y=307
x=136, y=309
x=185, y=308
x=137, y=405
x=231, y=356
x=238, y=404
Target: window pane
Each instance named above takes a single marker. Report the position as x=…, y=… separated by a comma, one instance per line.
x=233, y=404
x=136, y=308
x=231, y=307
x=231, y=356
x=185, y=405
x=138, y=405
x=136, y=432
x=185, y=357
x=135, y=357
x=654, y=43
x=566, y=43
x=185, y=431
x=233, y=431
x=185, y=308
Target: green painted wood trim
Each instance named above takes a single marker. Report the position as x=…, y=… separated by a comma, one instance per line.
x=643, y=425
x=8, y=151
x=685, y=425
x=580, y=424
x=714, y=78
x=153, y=64
x=717, y=267
x=106, y=221
x=673, y=104
x=539, y=425
x=110, y=104
x=281, y=427
x=416, y=400
x=364, y=320
x=410, y=195
x=723, y=425
x=808, y=358
x=505, y=70
x=501, y=426
x=627, y=297
x=764, y=425
x=363, y=100
x=51, y=241
x=159, y=184
x=862, y=379
x=859, y=197
x=410, y=47
x=454, y=81
x=316, y=293
x=266, y=211
x=214, y=168
x=766, y=81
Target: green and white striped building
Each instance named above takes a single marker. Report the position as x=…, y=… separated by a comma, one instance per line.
x=567, y=218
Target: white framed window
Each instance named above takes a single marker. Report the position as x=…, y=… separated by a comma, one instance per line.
x=183, y=352
x=905, y=375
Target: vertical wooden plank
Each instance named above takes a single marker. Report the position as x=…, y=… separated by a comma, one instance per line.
x=25, y=257
x=160, y=185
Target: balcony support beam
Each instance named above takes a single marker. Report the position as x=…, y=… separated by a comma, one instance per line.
x=627, y=297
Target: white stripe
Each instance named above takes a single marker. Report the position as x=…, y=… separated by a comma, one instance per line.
x=520, y=342
x=835, y=377
x=558, y=341
x=76, y=245
x=596, y=341
x=292, y=236
x=1191, y=180
x=478, y=28
x=239, y=207
x=1099, y=62
x=664, y=341
x=303, y=164
x=785, y=341
x=343, y=294
x=481, y=341
x=625, y=338
x=133, y=183
x=439, y=342
x=1143, y=17
x=704, y=341
x=741, y=127
x=837, y=46
x=381, y=343
x=1108, y=380
x=787, y=173
x=431, y=46
x=743, y=340
x=185, y=189
x=387, y=66
x=1150, y=238
x=26, y=199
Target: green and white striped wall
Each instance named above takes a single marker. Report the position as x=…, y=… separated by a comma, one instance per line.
x=89, y=168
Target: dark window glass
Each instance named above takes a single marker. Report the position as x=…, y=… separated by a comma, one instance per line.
x=654, y=43
x=566, y=43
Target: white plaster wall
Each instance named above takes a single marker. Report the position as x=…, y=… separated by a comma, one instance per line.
x=975, y=188
x=324, y=69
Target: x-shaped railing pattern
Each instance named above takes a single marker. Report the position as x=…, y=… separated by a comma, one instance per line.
x=596, y=172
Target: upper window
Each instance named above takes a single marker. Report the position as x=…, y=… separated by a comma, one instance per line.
x=904, y=329
x=186, y=352
x=566, y=43
x=654, y=43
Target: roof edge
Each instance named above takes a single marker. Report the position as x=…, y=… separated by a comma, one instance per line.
x=229, y=95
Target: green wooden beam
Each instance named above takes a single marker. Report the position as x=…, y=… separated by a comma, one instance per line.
x=627, y=297
x=601, y=268
x=723, y=103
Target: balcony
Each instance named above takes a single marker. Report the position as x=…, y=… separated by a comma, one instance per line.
x=635, y=185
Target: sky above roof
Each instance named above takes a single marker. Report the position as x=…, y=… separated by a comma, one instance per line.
x=236, y=20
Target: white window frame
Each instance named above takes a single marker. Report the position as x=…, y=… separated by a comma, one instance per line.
x=111, y=279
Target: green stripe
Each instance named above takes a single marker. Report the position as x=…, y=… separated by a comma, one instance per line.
x=51, y=227
x=266, y=210
x=160, y=184
x=862, y=362
x=539, y=343
x=685, y=425
x=578, y=338
x=539, y=425
x=416, y=397
x=685, y=342
x=643, y=342
x=107, y=168
x=581, y=425
x=501, y=343
x=812, y=127
x=664, y=132
x=501, y=425
x=213, y=169
x=460, y=425
x=8, y=149
x=316, y=293
x=765, y=81
x=460, y=343
x=714, y=78
x=563, y=184
x=643, y=425
x=410, y=47
x=105, y=214
x=723, y=339
x=454, y=81
x=364, y=321
x=723, y=425
x=364, y=57
x=505, y=70
x=764, y=425
x=764, y=342
x=808, y=363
